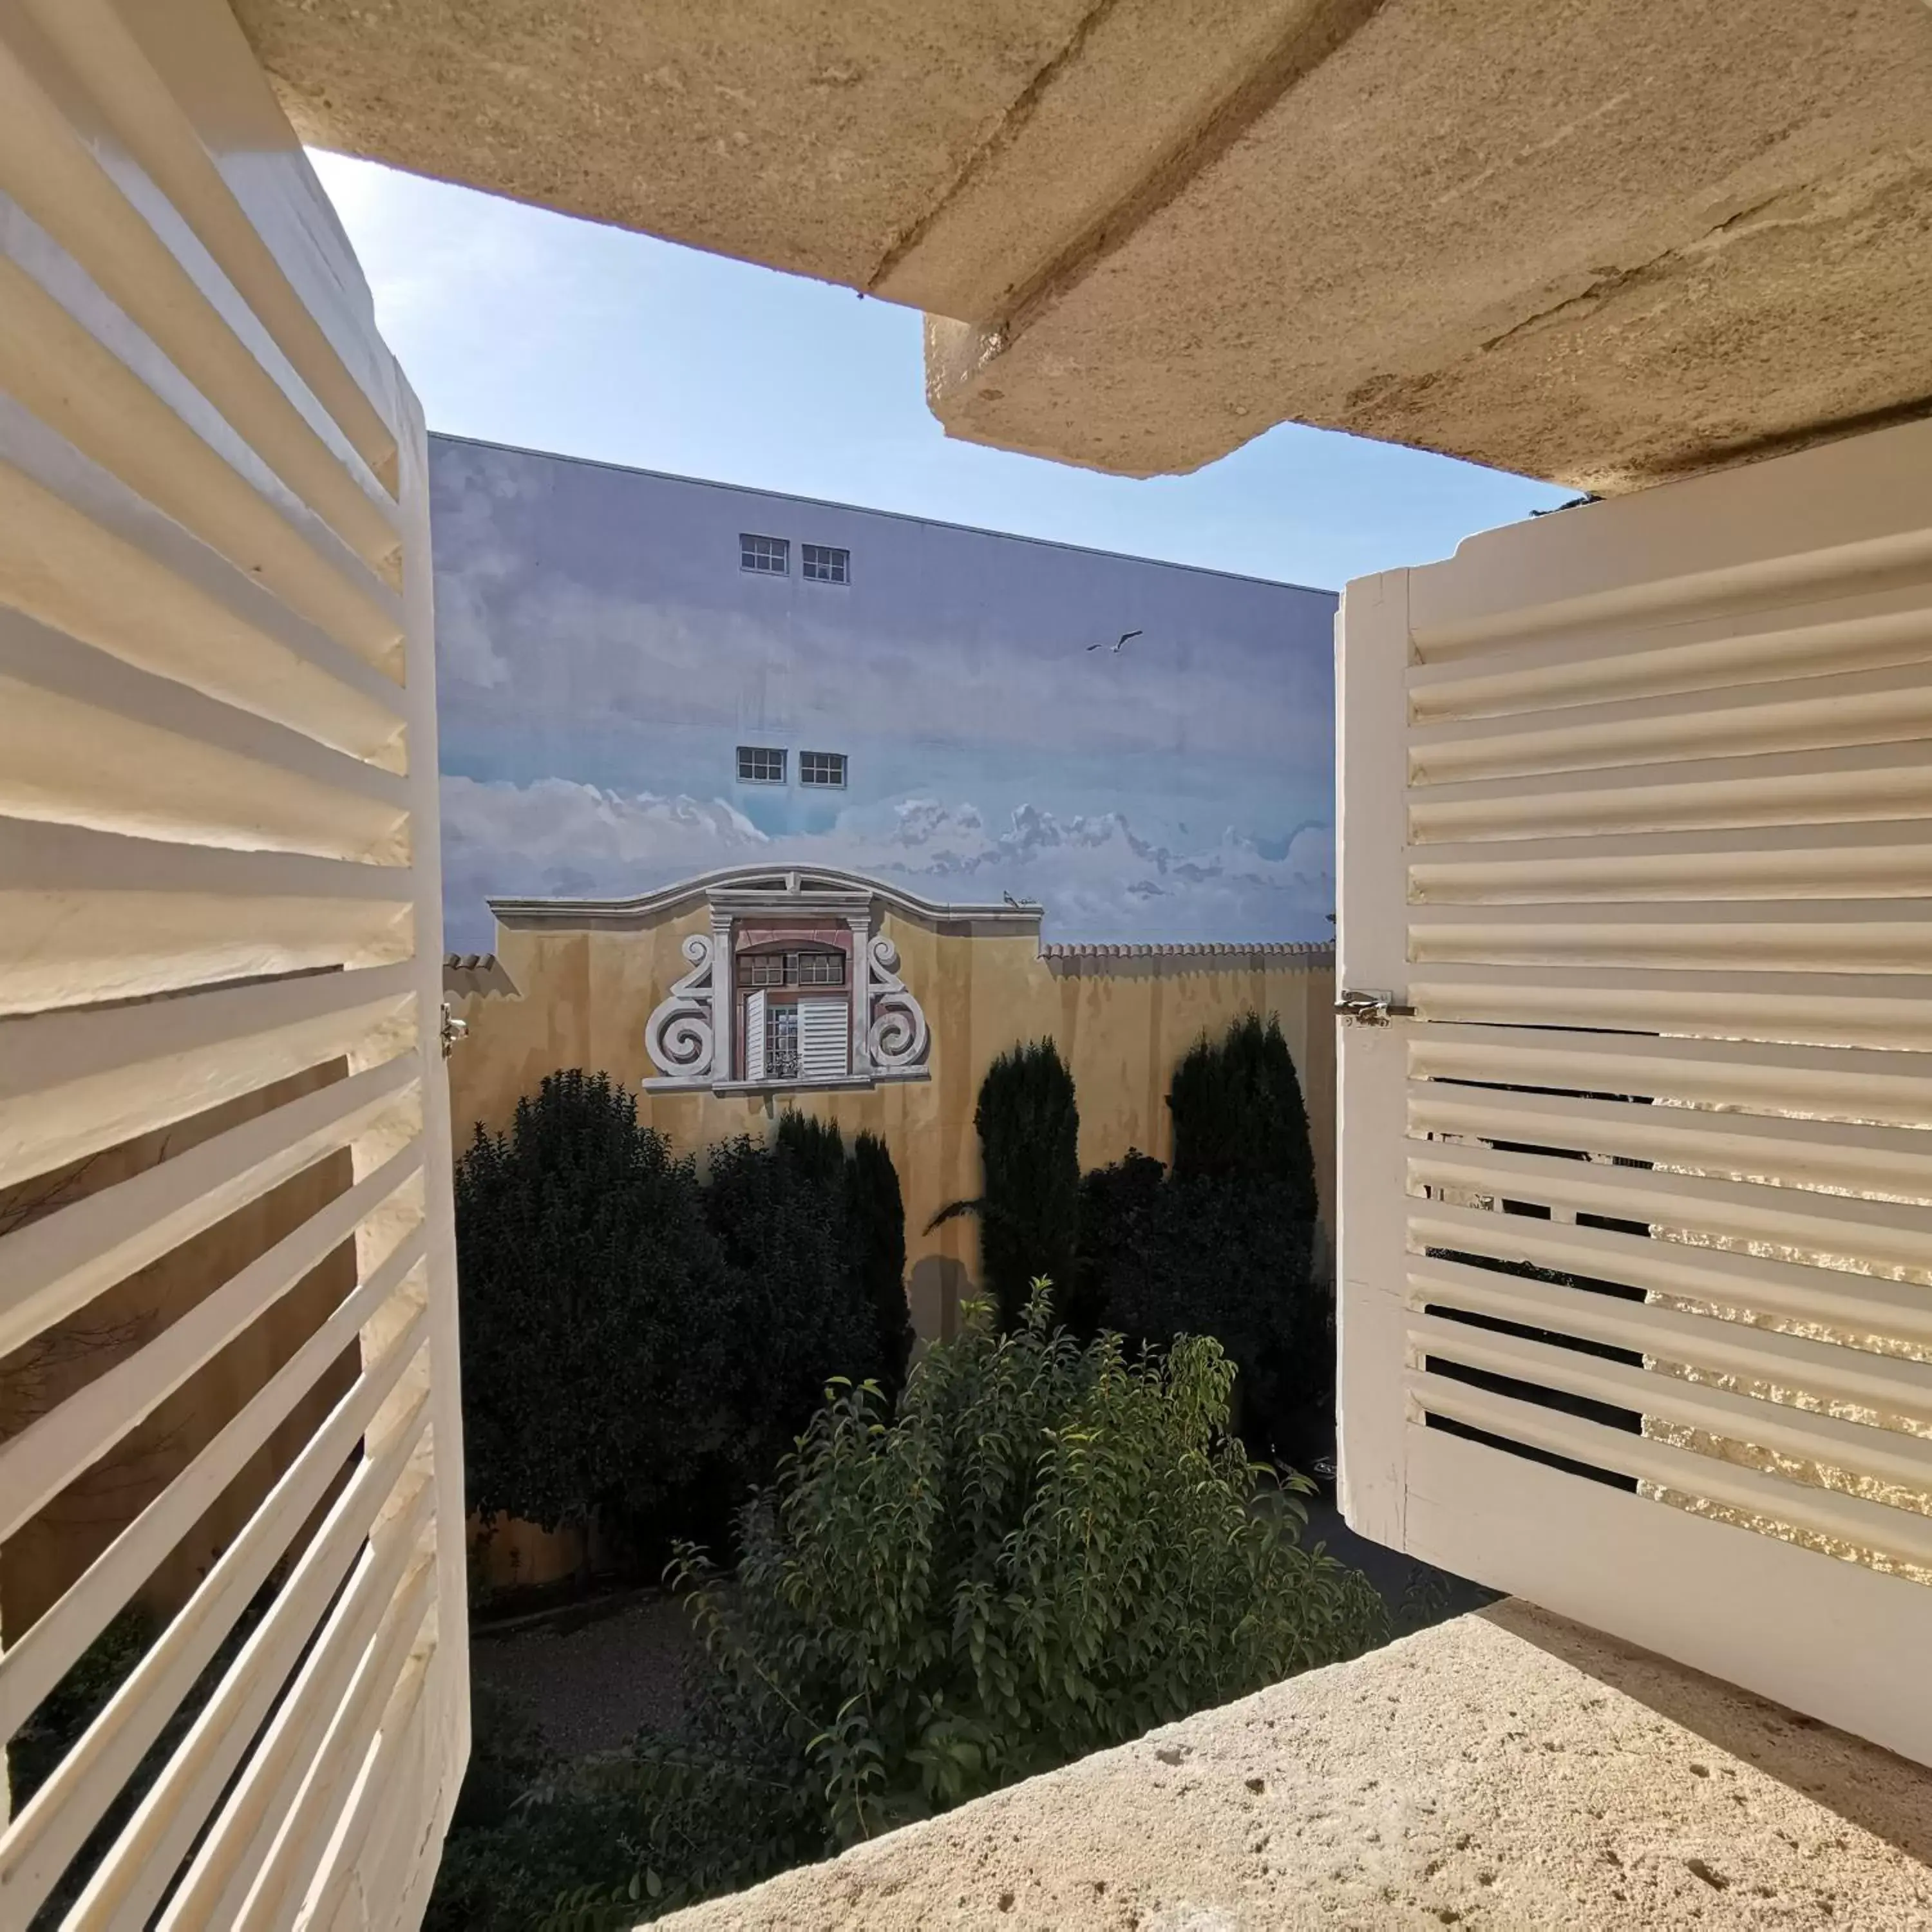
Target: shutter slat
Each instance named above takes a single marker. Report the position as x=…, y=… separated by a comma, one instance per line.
x=1824, y=1370
x=87, y=916
x=218, y=760
x=1840, y=1299
x=138, y=1870
x=152, y=124
x=1896, y=1235
x=45, y=1834
x=1887, y=781
x=1892, y=1086
x=141, y=427
x=52, y=174
x=44, y=1457
x=1858, y=1449
x=824, y=1037
x=373, y=1612
x=1894, y=1161
x=1771, y=861
x=1635, y=853
x=76, y=1081
x=1802, y=1008
x=1793, y=714
x=36, y=1658
x=1893, y=1533
x=1861, y=630
x=54, y=1265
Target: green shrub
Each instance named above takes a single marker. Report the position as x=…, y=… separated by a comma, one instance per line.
x=1050, y=1549
x=639, y=1347
x=1029, y=1201
x=597, y=1319
x=799, y=1315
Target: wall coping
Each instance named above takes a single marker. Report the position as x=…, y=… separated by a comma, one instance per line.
x=1505, y=1769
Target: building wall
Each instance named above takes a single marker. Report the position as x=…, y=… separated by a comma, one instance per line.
x=1121, y=1021
x=600, y=655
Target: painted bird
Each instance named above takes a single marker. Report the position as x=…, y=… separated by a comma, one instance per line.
x=1118, y=641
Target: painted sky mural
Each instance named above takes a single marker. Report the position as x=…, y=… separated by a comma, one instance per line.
x=602, y=654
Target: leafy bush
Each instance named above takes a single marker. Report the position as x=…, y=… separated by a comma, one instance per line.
x=1050, y=1549
x=597, y=1318
x=799, y=1315
x=1029, y=1201
x=640, y=1347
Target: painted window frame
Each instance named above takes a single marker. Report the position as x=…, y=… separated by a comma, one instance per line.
x=749, y=755
x=761, y=556
x=825, y=563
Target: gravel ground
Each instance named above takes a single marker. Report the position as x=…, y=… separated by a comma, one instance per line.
x=588, y=1689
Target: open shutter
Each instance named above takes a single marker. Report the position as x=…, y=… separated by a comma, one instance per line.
x=1635, y=1238
x=824, y=1033
x=754, y=1037
x=219, y=872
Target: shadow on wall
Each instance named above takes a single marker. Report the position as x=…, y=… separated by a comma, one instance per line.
x=935, y=1288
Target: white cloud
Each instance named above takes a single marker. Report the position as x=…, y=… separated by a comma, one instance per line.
x=1097, y=877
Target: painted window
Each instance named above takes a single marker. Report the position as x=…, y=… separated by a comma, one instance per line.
x=815, y=968
x=760, y=764
x=825, y=564
x=822, y=768
x=770, y=556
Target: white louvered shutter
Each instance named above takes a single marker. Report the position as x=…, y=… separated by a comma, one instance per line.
x=1636, y=1208
x=824, y=1033
x=219, y=870
x=754, y=1036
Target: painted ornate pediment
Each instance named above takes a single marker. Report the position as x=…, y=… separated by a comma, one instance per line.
x=793, y=986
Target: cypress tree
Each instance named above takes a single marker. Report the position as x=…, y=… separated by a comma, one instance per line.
x=1029, y=1204
x=876, y=1215
x=1224, y=1244
x=1237, y=1113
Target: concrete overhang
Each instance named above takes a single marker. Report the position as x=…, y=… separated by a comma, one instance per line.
x=1601, y=241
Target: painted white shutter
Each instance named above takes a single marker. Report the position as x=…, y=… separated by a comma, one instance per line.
x=824, y=1037
x=1636, y=1209
x=218, y=869
x=754, y=1037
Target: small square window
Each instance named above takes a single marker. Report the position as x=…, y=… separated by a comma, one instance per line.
x=818, y=969
x=768, y=557
x=822, y=768
x=824, y=564
x=762, y=764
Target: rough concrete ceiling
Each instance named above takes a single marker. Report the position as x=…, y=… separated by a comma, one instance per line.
x=1603, y=241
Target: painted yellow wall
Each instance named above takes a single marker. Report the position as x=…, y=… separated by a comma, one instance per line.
x=1121, y=1021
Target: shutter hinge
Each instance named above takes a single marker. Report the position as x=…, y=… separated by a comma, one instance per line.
x=1372, y=1009
x=453, y=1029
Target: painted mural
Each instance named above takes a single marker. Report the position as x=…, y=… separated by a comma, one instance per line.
x=633, y=691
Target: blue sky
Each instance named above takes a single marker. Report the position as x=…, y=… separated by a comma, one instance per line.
x=526, y=327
